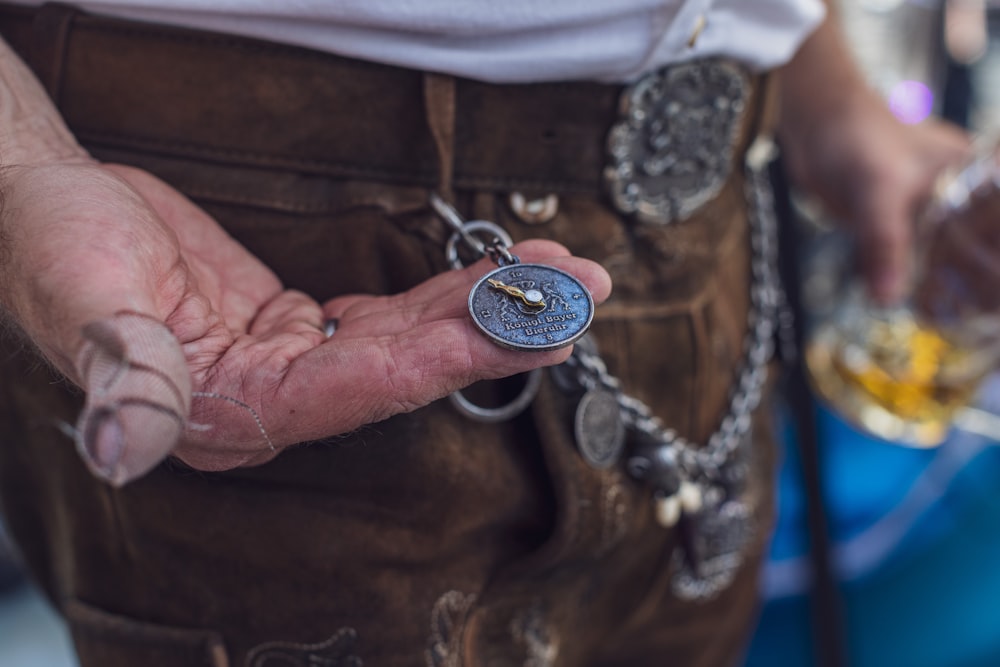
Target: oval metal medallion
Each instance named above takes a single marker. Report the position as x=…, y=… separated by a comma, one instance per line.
x=598, y=427
x=672, y=148
x=531, y=307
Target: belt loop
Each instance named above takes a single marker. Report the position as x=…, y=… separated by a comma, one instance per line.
x=439, y=106
x=769, y=88
x=50, y=34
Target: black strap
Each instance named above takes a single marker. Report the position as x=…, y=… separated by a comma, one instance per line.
x=829, y=632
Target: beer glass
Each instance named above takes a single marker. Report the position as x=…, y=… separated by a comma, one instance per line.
x=910, y=372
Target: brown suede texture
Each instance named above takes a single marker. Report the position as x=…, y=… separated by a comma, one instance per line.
x=427, y=539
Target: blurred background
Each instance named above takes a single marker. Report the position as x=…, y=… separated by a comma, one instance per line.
x=911, y=576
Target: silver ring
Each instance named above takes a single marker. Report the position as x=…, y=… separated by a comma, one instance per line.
x=330, y=326
x=504, y=412
x=482, y=226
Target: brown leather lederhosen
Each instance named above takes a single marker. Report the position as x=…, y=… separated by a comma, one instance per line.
x=428, y=539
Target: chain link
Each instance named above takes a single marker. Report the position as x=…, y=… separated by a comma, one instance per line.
x=767, y=298
x=768, y=314
x=497, y=248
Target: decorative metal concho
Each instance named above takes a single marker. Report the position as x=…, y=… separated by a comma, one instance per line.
x=672, y=148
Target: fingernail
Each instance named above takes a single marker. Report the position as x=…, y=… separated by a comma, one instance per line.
x=101, y=443
x=105, y=433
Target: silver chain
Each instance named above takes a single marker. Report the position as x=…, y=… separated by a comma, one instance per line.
x=767, y=301
x=767, y=309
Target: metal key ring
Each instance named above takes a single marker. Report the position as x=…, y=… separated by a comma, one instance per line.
x=504, y=412
x=486, y=227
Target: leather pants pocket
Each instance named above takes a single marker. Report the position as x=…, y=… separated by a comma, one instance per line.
x=103, y=639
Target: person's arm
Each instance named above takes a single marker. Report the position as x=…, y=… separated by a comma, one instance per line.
x=843, y=144
x=176, y=332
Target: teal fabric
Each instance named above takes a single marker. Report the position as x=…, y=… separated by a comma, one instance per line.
x=916, y=536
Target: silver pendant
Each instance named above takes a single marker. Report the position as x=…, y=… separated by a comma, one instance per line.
x=531, y=307
x=672, y=149
x=599, y=430
x=709, y=560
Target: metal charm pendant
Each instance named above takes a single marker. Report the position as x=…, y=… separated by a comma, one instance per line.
x=713, y=551
x=599, y=430
x=531, y=307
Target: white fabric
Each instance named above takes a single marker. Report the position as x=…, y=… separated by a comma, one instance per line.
x=505, y=40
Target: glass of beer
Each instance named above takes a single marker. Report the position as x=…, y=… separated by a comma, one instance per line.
x=910, y=372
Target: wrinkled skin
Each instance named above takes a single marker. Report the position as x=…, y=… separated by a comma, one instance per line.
x=96, y=241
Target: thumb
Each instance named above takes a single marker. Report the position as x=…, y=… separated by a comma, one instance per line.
x=86, y=255
x=885, y=226
x=138, y=395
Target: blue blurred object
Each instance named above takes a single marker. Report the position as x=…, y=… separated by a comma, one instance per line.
x=31, y=633
x=916, y=546
x=10, y=568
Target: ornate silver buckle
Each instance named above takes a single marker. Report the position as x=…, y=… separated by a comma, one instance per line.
x=672, y=148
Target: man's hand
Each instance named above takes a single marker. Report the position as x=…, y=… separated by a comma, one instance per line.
x=187, y=344
x=872, y=172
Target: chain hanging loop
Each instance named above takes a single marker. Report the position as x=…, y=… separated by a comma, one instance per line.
x=497, y=249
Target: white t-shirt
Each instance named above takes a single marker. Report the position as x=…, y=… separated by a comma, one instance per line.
x=505, y=40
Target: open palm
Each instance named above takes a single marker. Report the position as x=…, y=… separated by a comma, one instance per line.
x=187, y=344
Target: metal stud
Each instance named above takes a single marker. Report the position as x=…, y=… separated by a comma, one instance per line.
x=534, y=211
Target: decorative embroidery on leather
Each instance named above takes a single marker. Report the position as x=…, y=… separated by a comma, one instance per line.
x=448, y=617
x=337, y=651
x=540, y=641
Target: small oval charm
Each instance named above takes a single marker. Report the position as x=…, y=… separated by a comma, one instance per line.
x=531, y=307
x=598, y=427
